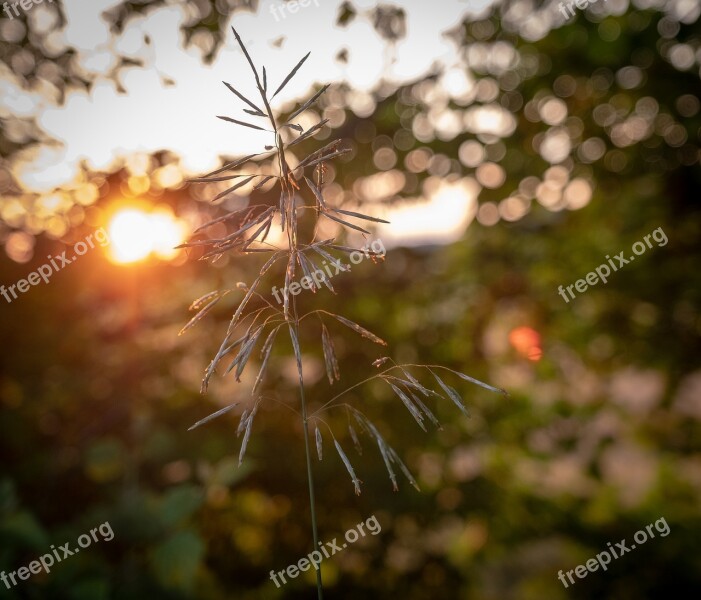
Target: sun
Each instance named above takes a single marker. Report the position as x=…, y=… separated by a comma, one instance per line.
x=136, y=234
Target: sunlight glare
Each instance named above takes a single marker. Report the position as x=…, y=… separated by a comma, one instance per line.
x=136, y=234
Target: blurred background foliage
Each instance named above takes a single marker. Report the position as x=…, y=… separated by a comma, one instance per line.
x=596, y=145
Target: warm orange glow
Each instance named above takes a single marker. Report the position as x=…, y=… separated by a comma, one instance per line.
x=526, y=342
x=135, y=234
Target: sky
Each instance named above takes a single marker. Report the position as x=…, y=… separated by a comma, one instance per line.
x=169, y=101
x=150, y=88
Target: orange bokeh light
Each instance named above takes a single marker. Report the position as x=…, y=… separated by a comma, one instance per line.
x=526, y=341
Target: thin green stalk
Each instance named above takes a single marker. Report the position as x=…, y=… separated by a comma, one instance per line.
x=308, y=455
x=310, y=479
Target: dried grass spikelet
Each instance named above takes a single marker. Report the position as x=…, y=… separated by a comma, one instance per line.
x=255, y=318
x=319, y=445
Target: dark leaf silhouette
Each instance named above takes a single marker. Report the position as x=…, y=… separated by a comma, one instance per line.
x=291, y=74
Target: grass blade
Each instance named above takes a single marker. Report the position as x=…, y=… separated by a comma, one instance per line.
x=304, y=262
x=356, y=441
x=246, y=100
x=290, y=75
x=349, y=250
x=325, y=279
x=319, y=447
x=220, y=249
x=235, y=187
x=415, y=383
x=295, y=346
x=213, y=416
x=317, y=193
x=308, y=133
x=200, y=315
x=265, y=356
x=283, y=209
x=245, y=52
x=263, y=181
x=478, y=382
x=358, y=329
x=326, y=157
x=213, y=364
x=231, y=165
x=418, y=417
x=381, y=444
x=349, y=467
x=247, y=434
x=217, y=179
x=332, y=259
x=346, y=223
x=452, y=393
x=289, y=277
x=308, y=103
x=244, y=353
x=202, y=300
x=242, y=305
x=265, y=226
x=332, y=370
x=330, y=146
x=395, y=458
x=227, y=217
x=259, y=219
x=230, y=120
x=242, y=422
x=425, y=409
x=350, y=213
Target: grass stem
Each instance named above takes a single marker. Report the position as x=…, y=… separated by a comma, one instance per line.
x=310, y=479
x=308, y=456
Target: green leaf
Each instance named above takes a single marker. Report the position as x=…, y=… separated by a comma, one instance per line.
x=180, y=503
x=8, y=495
x=177, y=560
x=90, y=589
x=105, y=460
x=22, y=529
x=227, y=472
